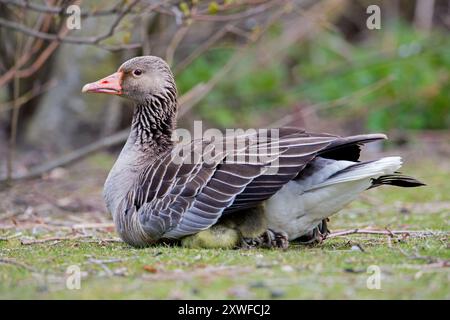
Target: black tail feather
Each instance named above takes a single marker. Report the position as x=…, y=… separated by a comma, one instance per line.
x=398, y=180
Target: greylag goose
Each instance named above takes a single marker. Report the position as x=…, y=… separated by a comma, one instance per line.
x=163, y=190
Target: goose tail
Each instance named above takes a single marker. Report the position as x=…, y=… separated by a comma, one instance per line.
x=380, y=172
x=396, y=179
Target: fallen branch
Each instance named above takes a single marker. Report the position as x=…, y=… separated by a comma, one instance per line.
x=79, y=236
x=17, y=263
x=381, y=232
x=93, y=225
x=75, y=237
x=9, y=214
x=112, y=260
x=7, y=238
x=107, y=240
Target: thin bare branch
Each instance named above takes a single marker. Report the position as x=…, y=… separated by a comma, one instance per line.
x=20, y=101
x=342, y=101
x=72, y=156
x=186, y=102
x=202, y=89
x=204, y=47
x=68, y=39
x=173, y=45
x=62, y=10
x=14, y=121
x=253, y=11
x=33, y=46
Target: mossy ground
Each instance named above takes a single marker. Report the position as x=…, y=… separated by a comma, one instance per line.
x=411, y=267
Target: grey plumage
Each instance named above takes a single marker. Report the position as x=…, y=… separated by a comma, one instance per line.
x=172, y=200
x=152, y=195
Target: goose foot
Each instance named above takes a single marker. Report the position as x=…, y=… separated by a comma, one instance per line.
x=323, y=227
x=250, y=243
x=276, y=239
x=318, y=234
x=269, y=239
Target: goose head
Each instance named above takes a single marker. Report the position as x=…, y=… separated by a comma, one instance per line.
x=139, y=79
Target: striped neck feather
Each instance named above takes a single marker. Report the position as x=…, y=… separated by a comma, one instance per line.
x=154, y=121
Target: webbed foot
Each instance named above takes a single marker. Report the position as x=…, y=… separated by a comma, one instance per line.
x=317, y=235
x=269, y=239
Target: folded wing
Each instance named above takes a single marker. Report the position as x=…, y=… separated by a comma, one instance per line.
x=188, y=189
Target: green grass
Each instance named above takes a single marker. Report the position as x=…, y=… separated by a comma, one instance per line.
x=411, y=267
x=329, y=271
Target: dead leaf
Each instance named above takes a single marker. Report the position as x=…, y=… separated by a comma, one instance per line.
x=150, y=269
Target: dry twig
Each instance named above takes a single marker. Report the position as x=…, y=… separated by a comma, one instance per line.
x=68, y=39
x=104, y=225
x=38, y=241
x=390, y=233
x=17, y=263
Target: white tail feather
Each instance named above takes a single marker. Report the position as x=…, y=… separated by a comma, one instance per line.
x=373, y=169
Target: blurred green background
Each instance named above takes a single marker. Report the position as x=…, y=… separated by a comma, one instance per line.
x=237, y=63
x=396, y=78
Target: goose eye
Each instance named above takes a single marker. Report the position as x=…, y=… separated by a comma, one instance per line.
x=137, y=72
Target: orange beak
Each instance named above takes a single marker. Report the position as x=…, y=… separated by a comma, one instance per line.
x=111, y=85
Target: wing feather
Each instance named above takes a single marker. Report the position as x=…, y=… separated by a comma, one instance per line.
x=176, y=198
